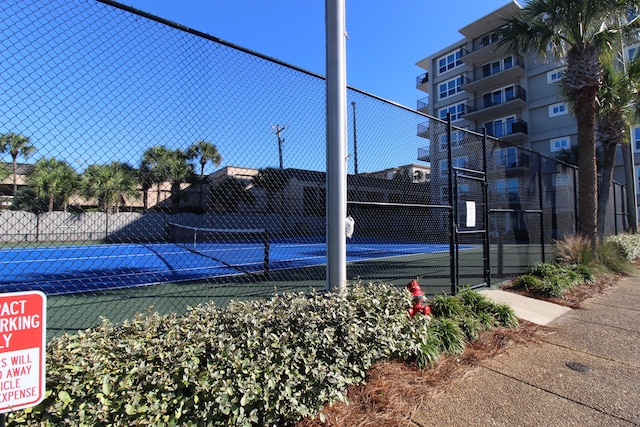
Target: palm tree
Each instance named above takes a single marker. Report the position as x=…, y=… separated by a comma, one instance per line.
x=207, y=152
x=4, y=172
x=229, y=193
x=163, y=165
x=110, y=184
x=577, y=32
x=178, y=170
x=53, y=180
x=153, y=166
x=16, y=145
x=271, y=180
x=618, y=101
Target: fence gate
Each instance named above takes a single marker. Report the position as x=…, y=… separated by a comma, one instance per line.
x=470, y=264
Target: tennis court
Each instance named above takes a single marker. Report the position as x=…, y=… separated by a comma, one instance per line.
x=74, y=269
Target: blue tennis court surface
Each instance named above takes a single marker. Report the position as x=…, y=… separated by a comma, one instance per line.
x=69, y=269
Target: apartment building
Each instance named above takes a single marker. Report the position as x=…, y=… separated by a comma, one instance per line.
x=514, y=97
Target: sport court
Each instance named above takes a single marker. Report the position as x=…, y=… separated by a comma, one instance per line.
x=89, y=268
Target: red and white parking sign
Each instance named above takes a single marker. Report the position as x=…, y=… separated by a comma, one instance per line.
x=22, y=349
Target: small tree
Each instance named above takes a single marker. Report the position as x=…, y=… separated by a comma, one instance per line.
x=110, y=184
x=229, y=193
x=618, y=101
x=206, y=152
x=53, y=180
x=273, y=181
x=154, y=168
x=16, y=145
x=577, y=33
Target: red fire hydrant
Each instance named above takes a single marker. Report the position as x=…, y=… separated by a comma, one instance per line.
x=419, y=300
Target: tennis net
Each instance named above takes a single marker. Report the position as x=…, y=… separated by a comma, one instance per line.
x=244, y=250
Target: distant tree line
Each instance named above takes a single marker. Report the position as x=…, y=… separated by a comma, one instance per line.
x=52, y=182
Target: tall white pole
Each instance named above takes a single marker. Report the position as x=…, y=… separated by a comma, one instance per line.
x=336, y=145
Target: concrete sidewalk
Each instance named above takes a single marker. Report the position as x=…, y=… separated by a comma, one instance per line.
x=585, y=373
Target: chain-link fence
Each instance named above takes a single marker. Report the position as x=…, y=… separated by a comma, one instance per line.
x=149, y=165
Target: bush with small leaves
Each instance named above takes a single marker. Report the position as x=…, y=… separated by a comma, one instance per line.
x=267, y=362
x=628, y=245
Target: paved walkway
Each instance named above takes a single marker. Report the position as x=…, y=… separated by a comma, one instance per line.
x=585, y=373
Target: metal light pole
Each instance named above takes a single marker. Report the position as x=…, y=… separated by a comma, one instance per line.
x=276, y=130
x=336, y=110
x=355, y=141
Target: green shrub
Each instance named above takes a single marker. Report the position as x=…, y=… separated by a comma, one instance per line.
x=451, y=338
x=628, y=245
x=267, y=362
x=614, y=256
x=553, y=280
x=446, y=306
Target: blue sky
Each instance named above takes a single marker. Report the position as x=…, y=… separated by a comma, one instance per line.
x=386, y=38
x=61, y=90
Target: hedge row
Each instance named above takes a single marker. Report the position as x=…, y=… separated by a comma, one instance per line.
x=253, y=363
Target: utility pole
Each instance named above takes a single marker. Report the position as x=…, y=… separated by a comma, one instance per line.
x=276, y=130
x=355, y=142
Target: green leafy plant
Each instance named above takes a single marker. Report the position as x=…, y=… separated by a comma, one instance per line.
x=613, y=256
x=267, y=362
x=552, y=279
x=446, y=306
x=628, y=245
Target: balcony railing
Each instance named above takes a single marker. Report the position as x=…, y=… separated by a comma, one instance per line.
x=488, y=70
x=423, y=129
x=491, y=100
x=521, y=160
x=485, y=40
x=424, y=154
x=422, y=79
x=501, y=129
x=423, y=103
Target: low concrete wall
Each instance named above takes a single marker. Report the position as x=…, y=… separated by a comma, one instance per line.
x=17, y=226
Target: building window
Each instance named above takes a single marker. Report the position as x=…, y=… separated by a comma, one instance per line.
x=633, y=52
x=636, y=138
x=559, y=144
x=497, y=66
x=558, y=109
x=450, y=87
x=508, y=187
x=450, y=61
x=555, y=75
x=456, y=110
x=507, y=157
x=458, y=162
x=499, y=96
x=456, y=139
x=500, y=127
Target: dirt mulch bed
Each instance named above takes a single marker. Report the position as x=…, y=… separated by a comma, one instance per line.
x=573, y=298
x=394, y=390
